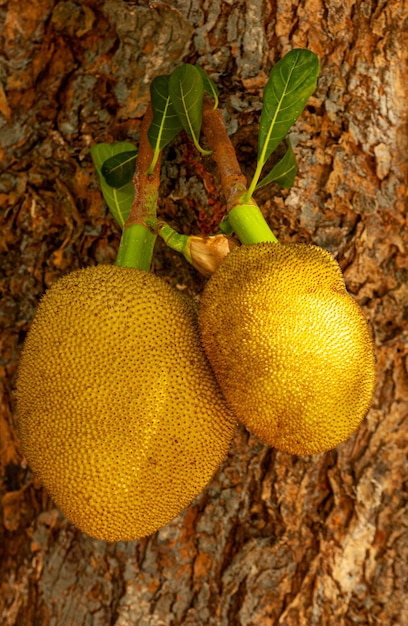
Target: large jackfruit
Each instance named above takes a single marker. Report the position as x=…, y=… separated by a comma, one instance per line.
x=289, y=346
x=119, y=413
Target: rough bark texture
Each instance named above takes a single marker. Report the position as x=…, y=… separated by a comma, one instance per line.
x=274, y=539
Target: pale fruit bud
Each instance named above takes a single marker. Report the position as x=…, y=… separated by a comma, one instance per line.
x=207, y=253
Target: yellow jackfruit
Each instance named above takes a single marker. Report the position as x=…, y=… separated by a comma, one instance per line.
x=289, y=346
x=118, y=410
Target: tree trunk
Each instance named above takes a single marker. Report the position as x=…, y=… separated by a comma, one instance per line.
x=274, y=539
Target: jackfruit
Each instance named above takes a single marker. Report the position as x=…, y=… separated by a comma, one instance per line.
x=289, y=346
x=118, y=410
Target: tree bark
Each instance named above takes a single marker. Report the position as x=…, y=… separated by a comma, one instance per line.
x=274, y=539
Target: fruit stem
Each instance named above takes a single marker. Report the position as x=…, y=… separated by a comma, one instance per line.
x=137, y=242
x=249, y=224
x=233, y=182
x=136, y=247
x=171, y=237
x=205, y=253
x=244, y=214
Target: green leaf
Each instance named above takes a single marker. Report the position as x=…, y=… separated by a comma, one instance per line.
x=166, y=124
x=283, y=172
x=209, y=86
x=120, y=200
x=186, y=91
x=291, y=83
x=119, y=169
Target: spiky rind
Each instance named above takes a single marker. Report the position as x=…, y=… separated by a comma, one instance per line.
x=289, y=346
x=119, y=413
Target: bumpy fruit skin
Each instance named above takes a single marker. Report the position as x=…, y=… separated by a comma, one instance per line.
x=289, y=346
x=119, y=413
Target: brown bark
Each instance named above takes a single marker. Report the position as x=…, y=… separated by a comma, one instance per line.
x=274, y=539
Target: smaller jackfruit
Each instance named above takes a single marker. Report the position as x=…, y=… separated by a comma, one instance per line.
x=289, y=346
x=118, y=410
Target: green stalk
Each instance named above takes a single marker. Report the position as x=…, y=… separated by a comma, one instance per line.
x=136, y=247
x=244, y=215
x=205, y=253
x=250, y=225
x=172, y=239
x=137, y=242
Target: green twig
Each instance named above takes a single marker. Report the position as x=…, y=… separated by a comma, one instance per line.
x=244, y=215
x=137, y=243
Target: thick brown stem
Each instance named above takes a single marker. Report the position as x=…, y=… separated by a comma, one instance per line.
x=234, y=183
x=146, y=186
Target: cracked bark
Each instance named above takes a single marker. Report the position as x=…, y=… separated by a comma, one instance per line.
x=274, y=539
